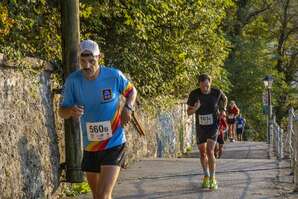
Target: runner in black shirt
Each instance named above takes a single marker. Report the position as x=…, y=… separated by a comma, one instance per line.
x=207, y=103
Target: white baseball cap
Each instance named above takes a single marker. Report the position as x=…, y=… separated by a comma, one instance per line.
x=89, y=46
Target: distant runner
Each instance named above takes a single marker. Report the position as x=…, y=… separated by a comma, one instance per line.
x=207, y=103
x=223, y=127
x=240, y=124
x=233, y=112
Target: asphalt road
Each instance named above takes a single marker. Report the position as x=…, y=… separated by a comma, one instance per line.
x=244, y=172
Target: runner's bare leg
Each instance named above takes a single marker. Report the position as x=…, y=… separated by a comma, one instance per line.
x=94, y=182
x=211, y=157
x=108, y=180
x=203, y=157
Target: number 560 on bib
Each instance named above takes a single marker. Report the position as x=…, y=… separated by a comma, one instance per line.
x=99, y=131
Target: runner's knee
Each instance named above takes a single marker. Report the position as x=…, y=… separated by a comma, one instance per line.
x=210, y=151
x=203, y=154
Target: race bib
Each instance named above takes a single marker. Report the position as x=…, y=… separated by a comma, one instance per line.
x=206, y=119
x=99, y=131
x=231, y=116
x=239, y=126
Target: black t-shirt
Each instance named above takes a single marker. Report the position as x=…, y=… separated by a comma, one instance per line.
x=209, y=102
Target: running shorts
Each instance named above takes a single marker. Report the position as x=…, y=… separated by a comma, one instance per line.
x=205, y=133
x=93, y=160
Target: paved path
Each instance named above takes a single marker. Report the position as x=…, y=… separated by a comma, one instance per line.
x=244, y=172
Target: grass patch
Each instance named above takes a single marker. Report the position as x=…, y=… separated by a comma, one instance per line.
x=77, y=189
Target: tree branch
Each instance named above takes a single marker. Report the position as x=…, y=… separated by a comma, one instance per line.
x=291, y=31
x=255, y=13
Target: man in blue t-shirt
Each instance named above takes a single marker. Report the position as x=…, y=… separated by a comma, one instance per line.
x=240, y=124
x=92, y=95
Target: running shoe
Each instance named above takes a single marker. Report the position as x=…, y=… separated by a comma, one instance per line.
x=213, y=184
x=205, y=183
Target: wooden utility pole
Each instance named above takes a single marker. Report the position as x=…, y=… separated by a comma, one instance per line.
x=70, y=24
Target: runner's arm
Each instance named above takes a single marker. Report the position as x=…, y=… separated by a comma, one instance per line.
x=68, y=107
x=65, y=113
x=131, y=99
x=225, y=124
x=68, y=112
x=191, y=110
x=193, y=103
x=127, y=113
x=237, y=111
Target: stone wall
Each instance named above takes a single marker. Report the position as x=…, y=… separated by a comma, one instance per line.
x=168, y=134
x=28, y=141
x=31, y=132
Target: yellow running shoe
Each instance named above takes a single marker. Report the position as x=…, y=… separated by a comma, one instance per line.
x=213, y=184
x=205, y=183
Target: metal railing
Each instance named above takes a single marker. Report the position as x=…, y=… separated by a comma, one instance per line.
x=285, y=144
x=291, y=138
x=277, y=137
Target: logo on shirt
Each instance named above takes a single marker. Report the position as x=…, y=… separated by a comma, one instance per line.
x=107, y=94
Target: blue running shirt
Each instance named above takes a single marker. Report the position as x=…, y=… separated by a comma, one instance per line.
x=101, y=122
x=240, y=122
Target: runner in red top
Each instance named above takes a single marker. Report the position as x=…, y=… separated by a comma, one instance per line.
x=233, y=112
x=223, y=127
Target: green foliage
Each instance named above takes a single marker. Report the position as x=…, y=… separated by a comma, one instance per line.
x=77, y=189
x=162, y=44
x=32, y=28
x=247, y=72
x=255, y=30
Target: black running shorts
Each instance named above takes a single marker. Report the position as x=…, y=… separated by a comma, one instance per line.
x=92, y=161
x=205, y=133
x=220, y=140
x=231, y=121
x=239, y=131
